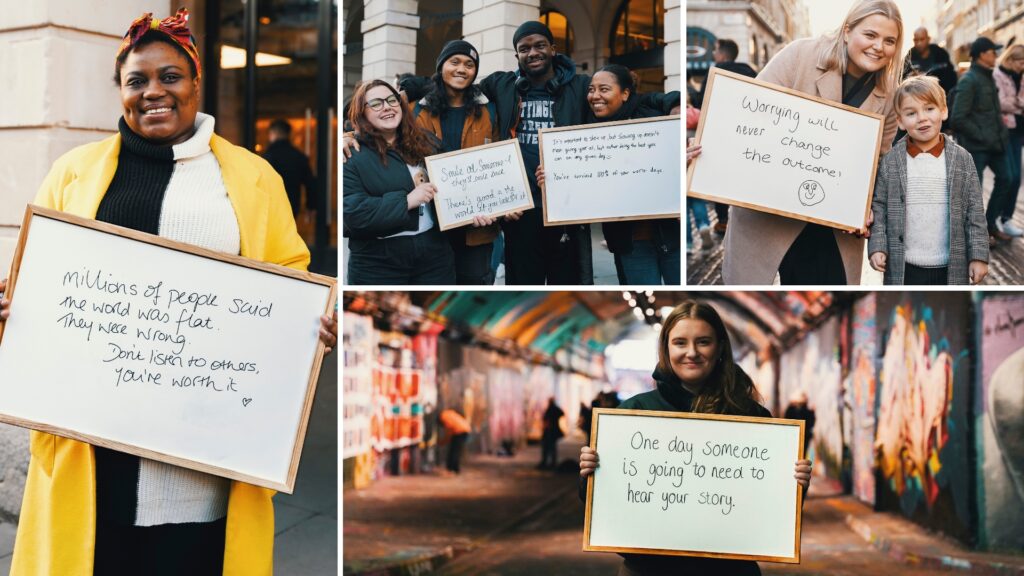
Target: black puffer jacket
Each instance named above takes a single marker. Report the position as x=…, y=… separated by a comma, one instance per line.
x=976, y=116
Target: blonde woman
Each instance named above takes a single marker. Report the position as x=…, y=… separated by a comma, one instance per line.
x=858, y=65
x=1011, y=103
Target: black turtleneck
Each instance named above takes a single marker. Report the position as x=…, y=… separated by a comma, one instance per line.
x=136, y=193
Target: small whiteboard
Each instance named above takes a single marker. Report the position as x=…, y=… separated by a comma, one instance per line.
x=781, y=151
x=161, y=349
x=488, y=180
x=686, y=484
x=628, y=170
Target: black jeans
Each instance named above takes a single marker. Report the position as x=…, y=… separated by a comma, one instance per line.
x=425, y=258
x=455, y=452
x=1000, y=165
x=536, y=254
x=813, y=258
x=473, y=265
x=921, y=276
x=164, y=550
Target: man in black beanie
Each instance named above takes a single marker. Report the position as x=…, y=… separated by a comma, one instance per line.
x=544, y=92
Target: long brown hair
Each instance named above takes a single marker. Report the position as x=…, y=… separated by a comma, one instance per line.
x=727, y=390
x=411, y=143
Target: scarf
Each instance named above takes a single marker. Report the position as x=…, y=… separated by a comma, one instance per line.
x=175, y=27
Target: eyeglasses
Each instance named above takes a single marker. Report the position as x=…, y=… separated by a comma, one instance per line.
x=378, y=103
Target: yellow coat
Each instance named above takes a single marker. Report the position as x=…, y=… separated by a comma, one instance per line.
x=57, y=528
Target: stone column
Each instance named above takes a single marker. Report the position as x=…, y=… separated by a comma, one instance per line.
x=673, y=45
x=57, y=89
x=490, y=24
x=389, y=38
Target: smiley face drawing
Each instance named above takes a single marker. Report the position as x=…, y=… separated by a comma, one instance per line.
x=810, y=193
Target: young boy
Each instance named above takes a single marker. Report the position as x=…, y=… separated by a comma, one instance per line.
x=929, y=225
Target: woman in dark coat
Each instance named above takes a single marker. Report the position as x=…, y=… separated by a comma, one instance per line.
x=695, y=373
x=390, y=218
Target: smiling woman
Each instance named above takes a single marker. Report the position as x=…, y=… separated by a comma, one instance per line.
x=91, y=510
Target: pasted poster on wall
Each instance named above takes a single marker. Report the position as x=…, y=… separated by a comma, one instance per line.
x=359, y=346
x=923, y=394
x=1000, y=423
x=863, y=388
x=812, y=366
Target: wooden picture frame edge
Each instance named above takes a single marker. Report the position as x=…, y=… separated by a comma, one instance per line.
x=714, y=72
x=693, y=416
x=32, y=211
x=19, y=249
x=543, y=189
x=522, y=171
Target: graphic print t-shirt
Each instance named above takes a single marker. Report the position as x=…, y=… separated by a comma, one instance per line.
x=535, y=112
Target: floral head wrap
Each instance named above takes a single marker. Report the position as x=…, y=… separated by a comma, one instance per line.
x=175, y=27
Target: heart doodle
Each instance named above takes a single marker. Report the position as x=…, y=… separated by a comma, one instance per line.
x=246, y=401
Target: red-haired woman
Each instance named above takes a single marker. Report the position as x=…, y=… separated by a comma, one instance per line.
x=695, y=373
x=389, y=218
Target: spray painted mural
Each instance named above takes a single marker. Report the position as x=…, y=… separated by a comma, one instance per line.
x=812, y=367
x=1000, y=423
x=923, y=391
x=862, y=388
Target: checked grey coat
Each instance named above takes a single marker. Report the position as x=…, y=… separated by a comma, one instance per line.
x=968, y=234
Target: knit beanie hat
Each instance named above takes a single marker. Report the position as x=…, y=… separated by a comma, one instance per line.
x=457, y=47
x=531, y=27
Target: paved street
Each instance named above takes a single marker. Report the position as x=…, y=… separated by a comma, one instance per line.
x=1006, y=265
x=501, y=516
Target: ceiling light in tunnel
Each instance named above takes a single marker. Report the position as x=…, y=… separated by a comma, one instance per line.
x=649, y=293
x=649, y=311
x=656, y=326
x=627, y=296
x=632, y=303
x=650, y=299
x=638, y=313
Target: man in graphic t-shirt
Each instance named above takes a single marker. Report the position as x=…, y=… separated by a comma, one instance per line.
x=545, y=91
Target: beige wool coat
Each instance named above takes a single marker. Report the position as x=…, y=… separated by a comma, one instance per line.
x=756, y=242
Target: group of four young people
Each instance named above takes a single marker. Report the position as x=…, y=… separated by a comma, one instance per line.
x=390, y=219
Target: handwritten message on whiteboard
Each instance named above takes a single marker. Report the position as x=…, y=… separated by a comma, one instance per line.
x=627, y=170
x=160, y=352
x=686, y=484
x=487, y=180
x=777, y=150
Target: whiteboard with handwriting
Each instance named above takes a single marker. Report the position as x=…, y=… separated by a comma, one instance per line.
x=626, y=170
x=165, y=350
x=777, y=150
x=676, y=483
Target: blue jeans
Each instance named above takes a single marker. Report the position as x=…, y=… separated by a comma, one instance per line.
x=700, y=215
x=1013, y=153
x=648, y=265
x=1001, y=190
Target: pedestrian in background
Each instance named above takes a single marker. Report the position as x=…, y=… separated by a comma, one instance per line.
x=292, y=165
x=980, y=129
x=799, y=410
x=551, y=435
x=857, y=65
x=458, y=429
x=1011, y=103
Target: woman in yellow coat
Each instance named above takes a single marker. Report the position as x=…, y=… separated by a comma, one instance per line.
x=90, y=510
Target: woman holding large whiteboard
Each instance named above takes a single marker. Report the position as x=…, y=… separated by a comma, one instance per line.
x=91, y=510
x=695, y=373
x=859, y=65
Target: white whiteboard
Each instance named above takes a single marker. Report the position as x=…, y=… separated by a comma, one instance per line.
x=488, y=180
x=628, y=170
x=777, y=150
x=650, y=460
x=92, y=312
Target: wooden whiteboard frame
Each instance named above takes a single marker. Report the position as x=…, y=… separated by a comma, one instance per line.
x=544, y=191
x=32, y=211
x=761, y=208
x=522, y=171
x=795, y=559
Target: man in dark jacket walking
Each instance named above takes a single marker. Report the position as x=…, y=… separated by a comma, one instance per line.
x=544, y=92
x=931, y=60
x=725, y=54
x=292, y=165
x=979, y=125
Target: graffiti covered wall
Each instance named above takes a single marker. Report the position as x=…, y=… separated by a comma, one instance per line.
x=1000, y=423
x=923, y=402
x=813, y=367
x=863, y=386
